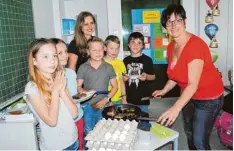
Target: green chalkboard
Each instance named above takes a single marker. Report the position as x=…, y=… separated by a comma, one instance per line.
x=127, y=5
x=16, y=33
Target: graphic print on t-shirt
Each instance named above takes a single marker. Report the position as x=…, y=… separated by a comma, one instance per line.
x=134, y=70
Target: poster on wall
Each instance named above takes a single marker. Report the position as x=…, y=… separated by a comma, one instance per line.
x=68, y=26
x=147, y=22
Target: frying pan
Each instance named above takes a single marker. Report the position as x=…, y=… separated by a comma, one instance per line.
x=125, y=109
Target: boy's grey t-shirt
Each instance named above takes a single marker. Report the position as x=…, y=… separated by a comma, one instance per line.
x=96, y=79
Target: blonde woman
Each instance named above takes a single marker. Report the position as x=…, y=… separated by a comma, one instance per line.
x=85, y=26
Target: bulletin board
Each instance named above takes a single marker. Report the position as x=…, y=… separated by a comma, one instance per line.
x=147, y=21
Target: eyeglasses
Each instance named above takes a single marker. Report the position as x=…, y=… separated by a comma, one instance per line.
x=175, y=22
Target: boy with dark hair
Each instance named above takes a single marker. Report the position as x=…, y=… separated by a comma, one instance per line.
x=139, y=72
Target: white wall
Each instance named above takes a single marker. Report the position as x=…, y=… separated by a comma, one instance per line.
x=115, y=21
x=47, y=16
x=230, y=37
x=191, y=7
x=98, y=7
x=43, y=18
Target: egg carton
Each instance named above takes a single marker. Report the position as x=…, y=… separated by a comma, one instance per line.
x=113, y=134
x=104, y=146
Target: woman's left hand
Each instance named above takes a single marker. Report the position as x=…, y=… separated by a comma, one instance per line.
x=169, y=116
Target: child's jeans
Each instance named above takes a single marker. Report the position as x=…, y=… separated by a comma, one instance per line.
x=74, y=146
x=91, y=117
x=80, y=127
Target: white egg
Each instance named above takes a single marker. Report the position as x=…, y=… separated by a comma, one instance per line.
x=102, y=149
x=124, y=132
x=127, y=126
x=114, y=137
x=122, y=137
x=117, y=132
x=107, y=135
x=94, y=149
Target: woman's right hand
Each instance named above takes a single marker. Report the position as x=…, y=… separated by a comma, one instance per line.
x=158, y=93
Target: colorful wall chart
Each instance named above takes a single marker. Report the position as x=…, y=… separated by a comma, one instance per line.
x=147, y=21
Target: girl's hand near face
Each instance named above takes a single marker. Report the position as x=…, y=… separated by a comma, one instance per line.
x=64, y=83
x=59, y=82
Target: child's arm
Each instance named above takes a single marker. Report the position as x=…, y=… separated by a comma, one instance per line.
x=114, y=88
x=123, y=90
x=47, y=114
x=148, y=72
x=125, y=77
x=70, y=104
x=79, y=86
x=112, y=92
x=150, y=77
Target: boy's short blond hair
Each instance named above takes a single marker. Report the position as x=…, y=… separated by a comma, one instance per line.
x=94, y=39
x=112, y=38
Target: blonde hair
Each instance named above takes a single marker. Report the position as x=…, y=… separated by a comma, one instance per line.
x=94, y=39
x=80, y=39
x=34, y=74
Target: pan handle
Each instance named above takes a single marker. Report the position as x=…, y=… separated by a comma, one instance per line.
x=147, y=118
x=101, y=92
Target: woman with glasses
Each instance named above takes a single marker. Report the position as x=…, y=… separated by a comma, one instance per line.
x=191, y=68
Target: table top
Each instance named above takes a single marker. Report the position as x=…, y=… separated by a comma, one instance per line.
x=153, y=141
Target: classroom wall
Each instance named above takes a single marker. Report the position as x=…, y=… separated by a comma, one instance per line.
x=43, y=18
x=98, y=7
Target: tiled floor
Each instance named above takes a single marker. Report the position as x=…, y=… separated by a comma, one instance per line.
x=157, y=106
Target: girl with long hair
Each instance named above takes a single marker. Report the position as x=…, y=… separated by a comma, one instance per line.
x=48, y=99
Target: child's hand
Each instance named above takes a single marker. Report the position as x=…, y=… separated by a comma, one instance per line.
x=124, y=101
x=125, y=77
x=82, y=91
x=143, y=77
x=59, y=83
x=101, y=103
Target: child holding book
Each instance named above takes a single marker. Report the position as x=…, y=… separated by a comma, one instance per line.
x=95, y=74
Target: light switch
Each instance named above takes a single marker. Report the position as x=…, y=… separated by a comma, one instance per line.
x=115, y=32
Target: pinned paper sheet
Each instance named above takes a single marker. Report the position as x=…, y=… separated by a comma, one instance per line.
x=160, y=42
x=151, y=16
x=165, y=42
x=142, y=28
